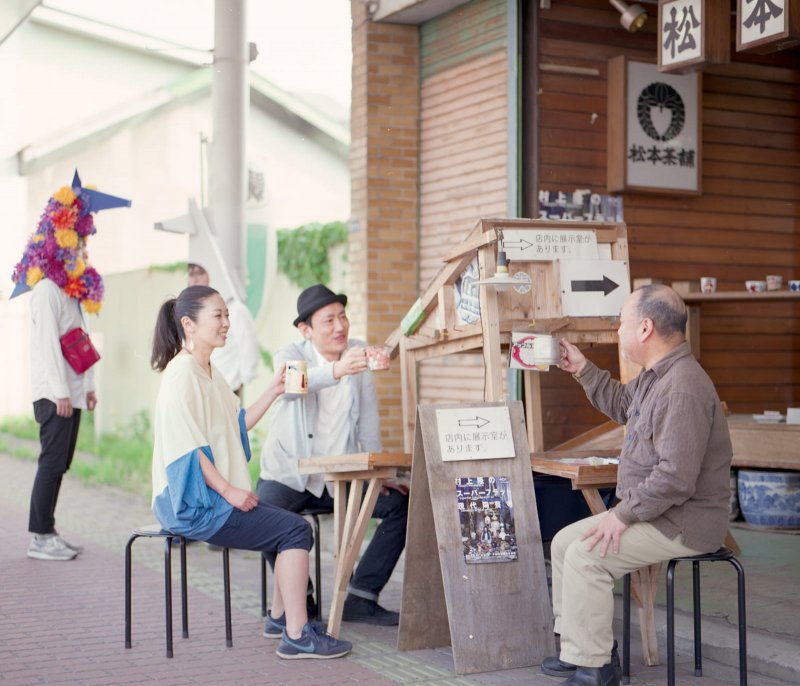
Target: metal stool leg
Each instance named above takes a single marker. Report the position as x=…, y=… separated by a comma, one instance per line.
x=168, y=590
x=128, y=590
x=671, y=623
x=698, y=644
x=626, y=629
x=317, y=567
x=742, y=621
x=184, y=591
x=263, y=586
x=226, y=575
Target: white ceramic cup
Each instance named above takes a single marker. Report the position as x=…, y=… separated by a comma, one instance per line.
x=756, y=286
x=774, y=282
x=794, y=285
x=793, y=415
x=546, y=350
x=708, y=284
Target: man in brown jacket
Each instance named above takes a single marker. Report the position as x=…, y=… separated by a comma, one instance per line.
x=673, y=484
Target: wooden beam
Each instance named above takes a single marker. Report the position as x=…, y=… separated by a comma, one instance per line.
x=533, y=410
x=408, y=386
x=490, y=319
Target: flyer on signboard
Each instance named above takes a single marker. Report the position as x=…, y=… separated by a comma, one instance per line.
x=486, y=516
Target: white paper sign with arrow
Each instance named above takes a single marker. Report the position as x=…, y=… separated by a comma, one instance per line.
x=474, y=433
x=594, y=288
x=546, y=246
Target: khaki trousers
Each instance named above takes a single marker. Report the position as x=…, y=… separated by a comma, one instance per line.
x=583, y=584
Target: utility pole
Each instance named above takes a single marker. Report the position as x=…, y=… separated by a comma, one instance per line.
x=230, y=95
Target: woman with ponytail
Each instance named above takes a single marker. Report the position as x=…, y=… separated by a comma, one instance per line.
x=201, y=485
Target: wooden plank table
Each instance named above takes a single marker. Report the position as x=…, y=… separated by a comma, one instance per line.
x=764, y=446
x=588, y=478
x=351, y=513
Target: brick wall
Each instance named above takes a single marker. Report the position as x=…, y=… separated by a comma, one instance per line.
x=384, y=121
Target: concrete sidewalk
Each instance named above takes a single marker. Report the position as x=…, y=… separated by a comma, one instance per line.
x=63, y=622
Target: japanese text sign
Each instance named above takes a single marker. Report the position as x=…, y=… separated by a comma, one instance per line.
x=474, y=433
x=692, y=34
x=654, y=128
x=532, y=246
x=764, y=26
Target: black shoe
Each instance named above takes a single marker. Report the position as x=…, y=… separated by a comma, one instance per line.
x=554, y=666
x=358, y=609
x=607, y=675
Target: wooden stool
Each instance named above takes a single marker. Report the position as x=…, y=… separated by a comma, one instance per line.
x=155, y=531
x=723, y=554
x=314, y=513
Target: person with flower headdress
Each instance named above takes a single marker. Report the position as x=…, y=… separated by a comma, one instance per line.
x=55, y=268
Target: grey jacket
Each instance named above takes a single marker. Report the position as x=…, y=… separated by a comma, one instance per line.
x=294, y=418
x=674, y=469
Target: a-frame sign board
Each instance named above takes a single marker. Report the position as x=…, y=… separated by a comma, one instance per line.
x=495, y=615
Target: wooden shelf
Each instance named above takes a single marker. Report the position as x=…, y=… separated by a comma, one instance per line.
x=739, y=296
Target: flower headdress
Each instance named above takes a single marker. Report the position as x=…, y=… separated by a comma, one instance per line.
x=55, y=251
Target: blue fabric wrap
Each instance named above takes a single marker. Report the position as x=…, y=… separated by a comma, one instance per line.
x=187, y=506
x=243, y=434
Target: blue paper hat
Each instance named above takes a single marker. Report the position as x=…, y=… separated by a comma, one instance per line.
x=98, y=201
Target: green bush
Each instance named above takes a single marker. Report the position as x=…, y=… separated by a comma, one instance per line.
x=122, y=459
x=303, y=252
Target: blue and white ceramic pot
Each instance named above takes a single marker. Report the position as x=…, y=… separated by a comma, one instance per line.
x=733, y=501
x=770, y=499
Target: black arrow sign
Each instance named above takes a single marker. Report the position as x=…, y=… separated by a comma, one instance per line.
x=606, y=285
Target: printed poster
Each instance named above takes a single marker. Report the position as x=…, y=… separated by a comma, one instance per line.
x=486, y=516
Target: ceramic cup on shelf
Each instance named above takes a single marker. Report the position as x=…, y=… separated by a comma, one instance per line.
x=793, y=415
x=794, y=285
x=708, y=284
x=774, y=282
x=756, y=286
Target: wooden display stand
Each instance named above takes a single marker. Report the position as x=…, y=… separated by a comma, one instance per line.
x=436, y=329
x=496, y=615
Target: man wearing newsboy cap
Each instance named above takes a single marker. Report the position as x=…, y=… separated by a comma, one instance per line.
x=338, y=416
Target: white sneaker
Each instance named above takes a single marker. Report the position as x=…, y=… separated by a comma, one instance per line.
x=49, y=547
x=77, y=548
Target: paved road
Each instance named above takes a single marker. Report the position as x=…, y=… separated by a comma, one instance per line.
x=63, y=622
